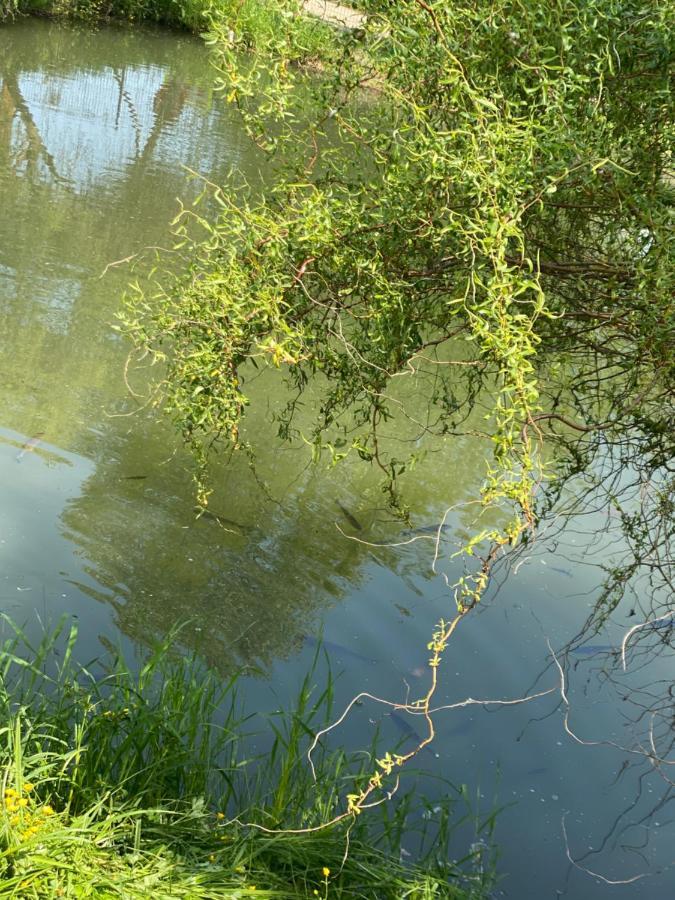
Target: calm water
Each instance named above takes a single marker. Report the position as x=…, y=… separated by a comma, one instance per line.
x=97, y=520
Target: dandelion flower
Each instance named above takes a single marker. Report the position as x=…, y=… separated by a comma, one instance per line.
x=326, y=871
x=28, y=787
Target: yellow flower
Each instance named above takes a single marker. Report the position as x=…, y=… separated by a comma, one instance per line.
x=23, y=802
x=220, y=815
x=28, y=787
x=326, y=871
x=212, y=858
x=47, y=810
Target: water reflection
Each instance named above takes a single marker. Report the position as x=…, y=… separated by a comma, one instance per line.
x=121, y=114
x=99, y=519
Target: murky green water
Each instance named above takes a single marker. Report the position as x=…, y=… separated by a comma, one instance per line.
x=97, y=518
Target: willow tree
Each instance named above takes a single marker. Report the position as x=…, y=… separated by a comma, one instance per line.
x=481, y=191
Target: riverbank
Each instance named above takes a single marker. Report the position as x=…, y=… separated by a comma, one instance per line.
x=121, y=785
x=250, y=24
x=190, y=15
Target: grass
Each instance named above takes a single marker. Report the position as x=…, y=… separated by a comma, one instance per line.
x=251, y=24
x=193, y=15
x=123, y=785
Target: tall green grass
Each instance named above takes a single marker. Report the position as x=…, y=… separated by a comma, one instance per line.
x=121, y=784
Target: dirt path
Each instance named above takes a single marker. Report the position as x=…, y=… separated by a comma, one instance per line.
x=334, y=13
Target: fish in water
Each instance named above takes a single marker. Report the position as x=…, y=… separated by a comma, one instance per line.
x=404, y=726
x=223, y=521
x=403, y=609
x=30, y=445
x=590, y=649
x=133, y=477
x=338, y=649
x=427, y=529
x=353, y=521
x=560, y=571
x=406, y=729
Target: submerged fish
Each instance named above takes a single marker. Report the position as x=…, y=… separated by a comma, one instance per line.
x=404, y=726
x=427, y=529
x=560, y=571
x=590, y=649
x=353, y=521
x=407, y=729
x=223, y=521
x=338, y=649
x=29, y=446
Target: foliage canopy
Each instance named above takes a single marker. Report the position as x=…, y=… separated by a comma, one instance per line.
x=475, y=194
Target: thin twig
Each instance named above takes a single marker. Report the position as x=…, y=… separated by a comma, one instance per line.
x=635, y=628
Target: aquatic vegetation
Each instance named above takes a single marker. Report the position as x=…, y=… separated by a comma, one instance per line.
x=131, y=785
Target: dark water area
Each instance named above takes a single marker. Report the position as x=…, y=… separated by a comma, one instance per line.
x=97, y=133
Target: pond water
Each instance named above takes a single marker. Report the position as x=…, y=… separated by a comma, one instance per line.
x=97, y=512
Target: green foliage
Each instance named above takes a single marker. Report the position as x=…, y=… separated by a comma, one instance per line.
x=191, y=14
x=468, y=193
x=256, y=21
x=121, y=785
x=8, y=9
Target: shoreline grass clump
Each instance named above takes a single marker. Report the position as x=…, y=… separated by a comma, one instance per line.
x=130, y=785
